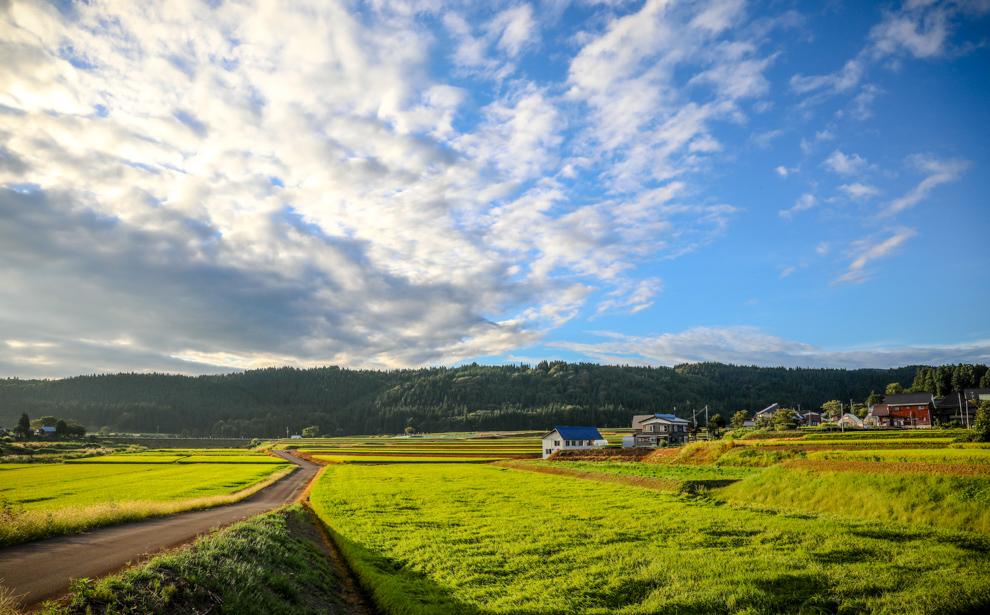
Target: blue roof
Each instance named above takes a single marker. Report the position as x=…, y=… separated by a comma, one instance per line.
x=669, y=417
x=579, y=433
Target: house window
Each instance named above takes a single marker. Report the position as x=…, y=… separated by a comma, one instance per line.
x=548, y=451
x=556, y=442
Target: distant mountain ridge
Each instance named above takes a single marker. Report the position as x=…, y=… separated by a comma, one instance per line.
x=266, y=402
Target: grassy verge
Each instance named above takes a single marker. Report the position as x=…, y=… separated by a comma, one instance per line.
x=269, y=564
x=922, y=499
x=18, y=525
x=484, y=539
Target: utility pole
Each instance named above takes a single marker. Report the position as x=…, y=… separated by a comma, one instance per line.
x=967, y=407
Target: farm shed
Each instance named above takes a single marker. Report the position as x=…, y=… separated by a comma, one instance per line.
x=572, y=439
x=849, y=420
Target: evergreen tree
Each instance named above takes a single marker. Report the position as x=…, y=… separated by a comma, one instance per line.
x=23, y=429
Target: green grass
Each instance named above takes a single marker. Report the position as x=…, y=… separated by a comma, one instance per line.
x=921, y=500
x=454, y=538
x=938, y=455
x=269, y=564
x=677, y=472
x=40, y=500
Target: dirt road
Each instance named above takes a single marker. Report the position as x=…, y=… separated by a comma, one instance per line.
x=41, y=570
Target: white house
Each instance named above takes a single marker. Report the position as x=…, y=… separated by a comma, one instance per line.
x=572, y=439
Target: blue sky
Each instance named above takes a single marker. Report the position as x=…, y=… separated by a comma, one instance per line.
x=186, y=188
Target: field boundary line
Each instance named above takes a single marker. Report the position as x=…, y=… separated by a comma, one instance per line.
x=647, y=482
x=352, y=589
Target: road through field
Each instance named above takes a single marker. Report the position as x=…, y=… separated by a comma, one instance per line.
x=43, y=569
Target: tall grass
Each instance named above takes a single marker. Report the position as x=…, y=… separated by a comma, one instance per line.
x=932, y=500
x=8, y=604
x=18, y=525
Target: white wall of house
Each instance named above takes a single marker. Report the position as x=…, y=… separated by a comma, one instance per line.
x=553, y=442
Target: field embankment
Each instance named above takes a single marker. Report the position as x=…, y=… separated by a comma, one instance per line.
x=269, y=564
x=926, y=497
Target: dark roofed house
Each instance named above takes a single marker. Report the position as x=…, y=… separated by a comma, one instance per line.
x=975, y=396
x=910, y=409
x=812, y=419
x=562, y=438
x=960, y=406
x=660, y=429
x=879, y=416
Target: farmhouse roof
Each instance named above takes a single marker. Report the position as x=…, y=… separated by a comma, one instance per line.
x=879, y=410
x=769, y=409
x=576, y=433
x=907, y=399
x=665, y=418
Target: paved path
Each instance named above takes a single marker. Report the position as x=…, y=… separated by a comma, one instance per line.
x=40, y=570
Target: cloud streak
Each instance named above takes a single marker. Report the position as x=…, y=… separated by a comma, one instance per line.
x=753, y=346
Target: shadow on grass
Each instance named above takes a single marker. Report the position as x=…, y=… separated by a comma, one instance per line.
x=396, y=588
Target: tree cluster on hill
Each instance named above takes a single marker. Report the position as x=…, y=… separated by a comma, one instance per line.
x=267, y=402
x=945, y=379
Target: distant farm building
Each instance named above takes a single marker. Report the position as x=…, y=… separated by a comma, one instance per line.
x=572, y=439
x=910, y=409
x=653, y=430
x=959, y=406
x=766, y=414
x=851, y=421
x=812, y=419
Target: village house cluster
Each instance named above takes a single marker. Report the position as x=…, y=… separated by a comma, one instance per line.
x=898, y=411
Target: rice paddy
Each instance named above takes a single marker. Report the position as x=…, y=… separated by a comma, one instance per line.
x=453, y=538
x=38, y=500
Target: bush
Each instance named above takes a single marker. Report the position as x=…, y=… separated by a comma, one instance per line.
x=981, y=426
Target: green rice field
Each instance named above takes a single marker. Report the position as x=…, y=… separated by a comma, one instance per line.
x=456, y=538
x=38, y=500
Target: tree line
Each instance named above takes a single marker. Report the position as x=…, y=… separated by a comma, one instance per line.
x=270, y=402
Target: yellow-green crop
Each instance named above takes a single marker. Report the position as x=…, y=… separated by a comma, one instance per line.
x=453, y=538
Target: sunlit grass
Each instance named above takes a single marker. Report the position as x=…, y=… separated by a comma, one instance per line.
x=40, y=500
x=454, y=538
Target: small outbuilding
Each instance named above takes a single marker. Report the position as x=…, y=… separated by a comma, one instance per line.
x=562, y=438
x=851, y=421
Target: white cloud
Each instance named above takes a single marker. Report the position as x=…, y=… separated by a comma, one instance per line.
x=845, y=164
x=937, y=172
x=870, y=249
x=822, y=248
x=787, y=271
x=803, y=203
x=859, y=190
x=783, y=171
x=514, y=29
x=752, y=346
x=644, y=114
x=918, y=29
x=223, y=194
x=633, y=298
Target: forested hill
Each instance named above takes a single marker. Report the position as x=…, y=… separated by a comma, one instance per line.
x=340, y=401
